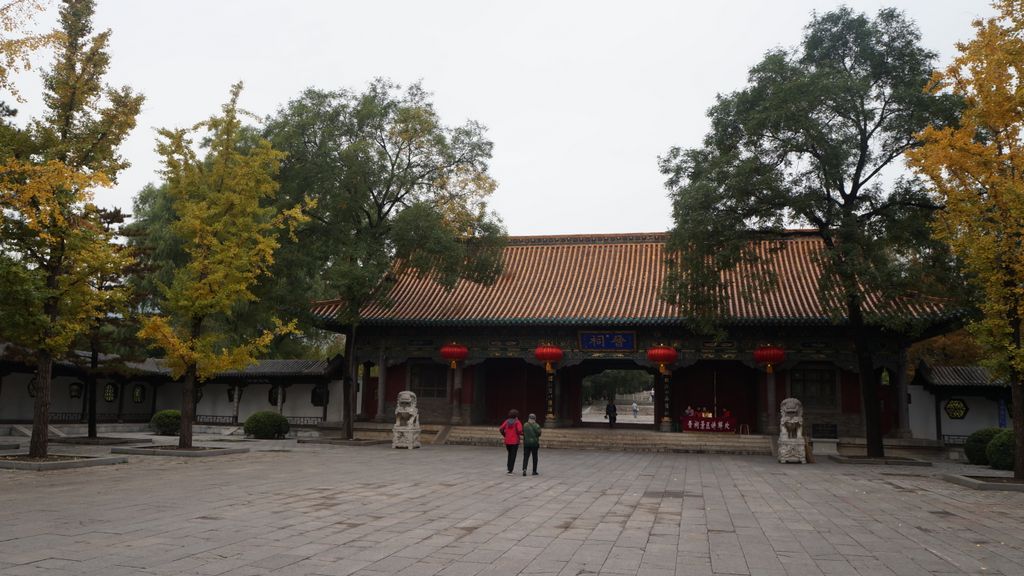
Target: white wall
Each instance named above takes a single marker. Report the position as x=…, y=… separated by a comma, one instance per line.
x=255, y=398
x=17, y=405
x=981, y=413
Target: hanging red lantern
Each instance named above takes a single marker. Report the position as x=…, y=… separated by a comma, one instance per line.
x=662, y=355
x=548, y=354
x=769, y=355
x=454, y=353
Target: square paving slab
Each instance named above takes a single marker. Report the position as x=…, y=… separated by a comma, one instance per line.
x=453, y=511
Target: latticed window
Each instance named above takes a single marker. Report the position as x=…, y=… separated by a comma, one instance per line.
x=814, y=387
x=109, y=393
x=428, y=380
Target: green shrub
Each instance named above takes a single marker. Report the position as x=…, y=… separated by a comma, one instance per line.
x=266, y=425
x=1000, y=451
x=977, y=443
x=166, y=422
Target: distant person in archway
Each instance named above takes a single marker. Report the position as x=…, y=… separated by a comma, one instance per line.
x=531, y=442
x=512, y=431
x=636, y=410
x=611, y=412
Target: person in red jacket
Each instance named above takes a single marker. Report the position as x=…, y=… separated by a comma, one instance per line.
x=512, y=431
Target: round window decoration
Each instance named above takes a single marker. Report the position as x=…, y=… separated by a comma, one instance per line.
x=109, y=393
x=75, y=390
x=956, y=409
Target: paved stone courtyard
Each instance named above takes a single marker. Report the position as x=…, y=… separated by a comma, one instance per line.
x=297, y=509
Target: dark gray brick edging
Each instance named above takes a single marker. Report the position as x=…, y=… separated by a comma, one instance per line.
x=215, y=451
x=79, y=462
x=976, y=484
x=879, y=461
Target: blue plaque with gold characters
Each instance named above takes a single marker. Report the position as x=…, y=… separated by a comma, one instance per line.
x=616, y=341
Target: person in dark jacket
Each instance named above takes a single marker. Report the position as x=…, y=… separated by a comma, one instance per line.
x=531, y=442
x=611, y=412
x=512, y=431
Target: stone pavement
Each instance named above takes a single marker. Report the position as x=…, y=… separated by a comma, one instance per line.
x=293, y=509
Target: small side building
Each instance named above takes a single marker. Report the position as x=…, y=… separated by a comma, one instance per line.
x=948, y=403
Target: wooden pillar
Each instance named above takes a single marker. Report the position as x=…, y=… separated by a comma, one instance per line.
x=152, y=405
x=456, y=419
x=773, y=403
x=237, y=400
x=280, y=399
x=550, y=420
x=938, y=417
x=120, y=400
x=666, y=406
x=559, y=403
x=382, y=377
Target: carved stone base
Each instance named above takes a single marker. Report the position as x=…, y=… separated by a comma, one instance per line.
x=792, y=450
x=405, y=437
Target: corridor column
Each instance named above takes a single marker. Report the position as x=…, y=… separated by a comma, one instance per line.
x=382, y=371
x=666, y=418
x=456, y=419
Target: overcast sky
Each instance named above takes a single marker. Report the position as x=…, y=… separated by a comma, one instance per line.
x=580, y=97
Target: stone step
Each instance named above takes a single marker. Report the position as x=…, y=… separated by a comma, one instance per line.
x=621, y=440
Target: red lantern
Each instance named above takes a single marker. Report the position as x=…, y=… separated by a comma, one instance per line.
x=454, y=353
x=769, y=355
x=548, y=353
x=662, y=355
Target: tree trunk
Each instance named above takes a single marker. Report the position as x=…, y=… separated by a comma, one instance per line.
x=188, y=407
x=39, y=443
x=868, y=381
x=90, y=384
x=1017, y=397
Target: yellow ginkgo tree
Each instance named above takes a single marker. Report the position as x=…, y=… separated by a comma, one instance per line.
x=229, y=230
x=977, y=168
x=53, y=243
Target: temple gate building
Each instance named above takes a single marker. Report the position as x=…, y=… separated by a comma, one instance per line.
x=597, y=298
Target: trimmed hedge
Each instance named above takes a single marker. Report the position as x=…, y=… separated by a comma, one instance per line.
x=166, y=422
x=1001, y=451
x=977, y=443
x=266, y=425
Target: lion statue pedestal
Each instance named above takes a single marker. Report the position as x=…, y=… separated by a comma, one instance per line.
x=406, y=433
x=792, y=447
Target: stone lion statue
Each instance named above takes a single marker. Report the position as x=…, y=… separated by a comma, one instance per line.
x=406, y=413
x=792, y=447
x=791, y=418
x=406, y=433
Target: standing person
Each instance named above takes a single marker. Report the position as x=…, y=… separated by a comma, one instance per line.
x=636, y=409
x=531, y=442
x=512, y=431
x=610, y=412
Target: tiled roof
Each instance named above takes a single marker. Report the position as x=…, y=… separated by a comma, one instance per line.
x=612, y=279
x=279, y=368
x=956, y=376
x=273, y=368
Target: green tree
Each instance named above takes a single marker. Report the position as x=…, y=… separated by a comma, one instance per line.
x=228, y=236
x=977, y=169
x=394, y=189
x=53, y=243
x=807, y=143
